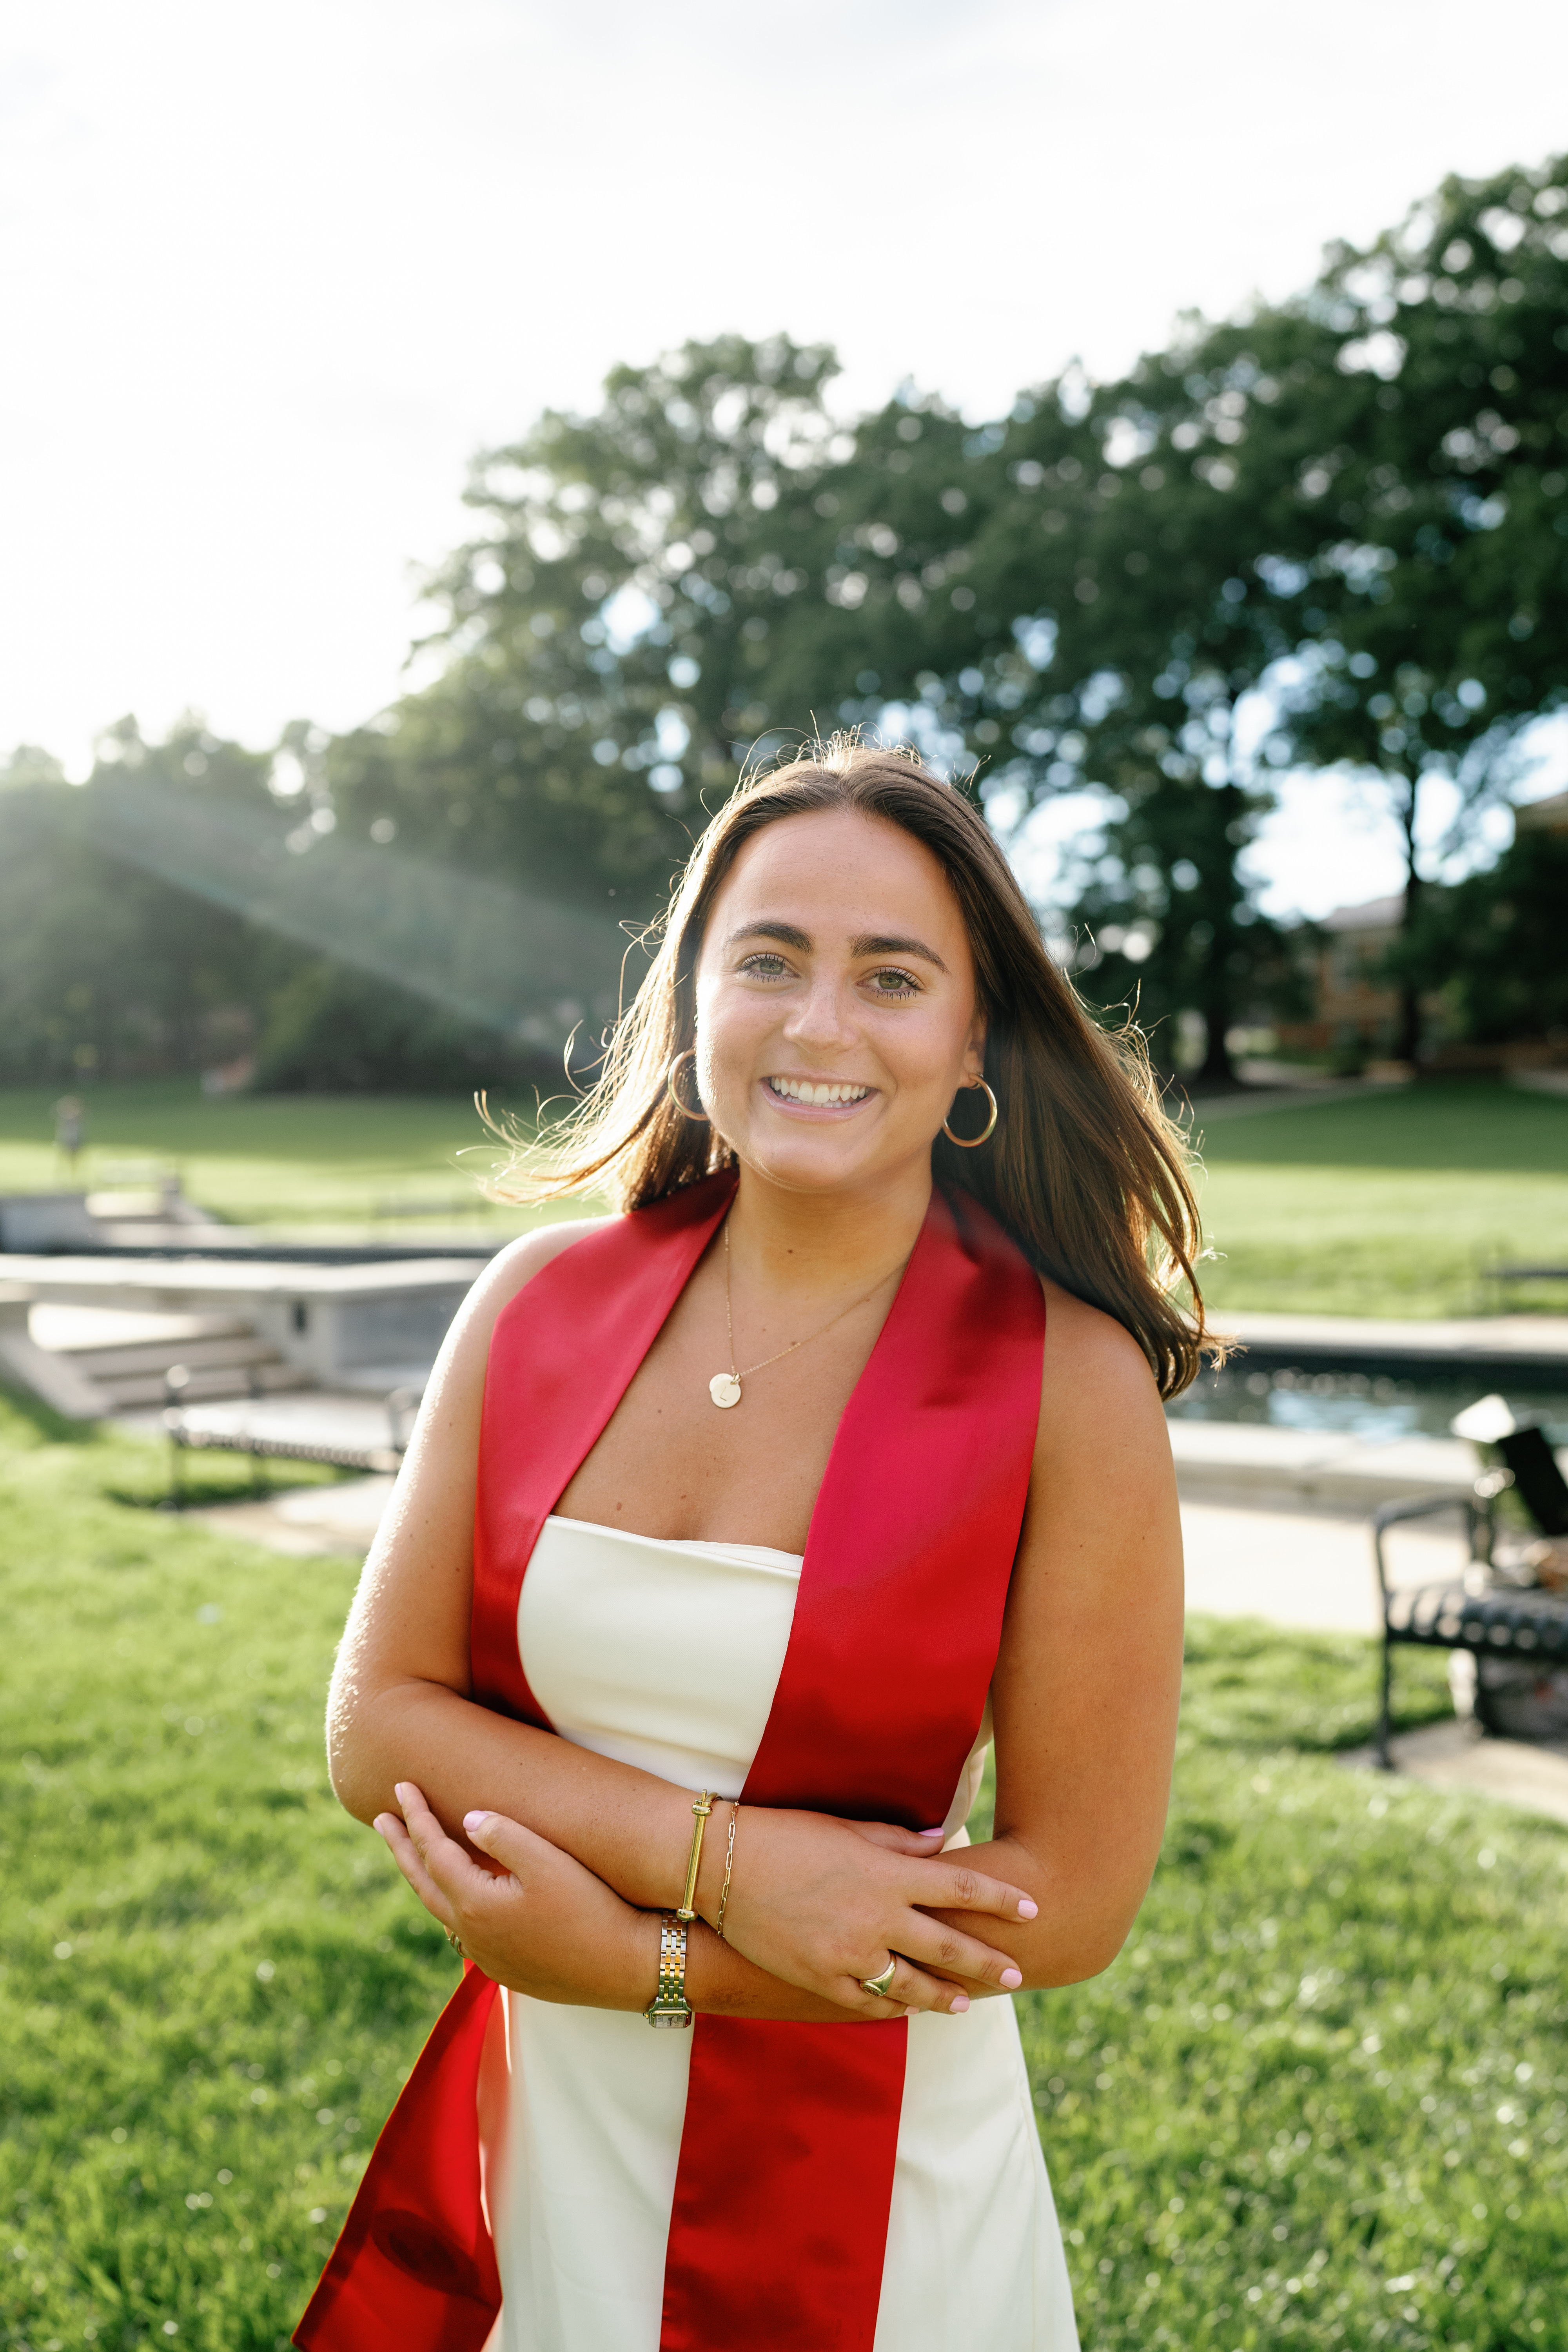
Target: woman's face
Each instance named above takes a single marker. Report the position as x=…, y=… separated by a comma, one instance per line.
x=837, y=1016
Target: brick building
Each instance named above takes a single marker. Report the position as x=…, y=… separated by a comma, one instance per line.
x=1355, y=1013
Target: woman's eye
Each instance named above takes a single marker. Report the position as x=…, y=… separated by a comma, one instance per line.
x=892, y=982
x=765, y=967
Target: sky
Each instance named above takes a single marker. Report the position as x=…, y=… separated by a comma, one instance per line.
x=271, y=276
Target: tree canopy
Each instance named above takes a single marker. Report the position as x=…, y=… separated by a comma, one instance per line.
x=1330, y=535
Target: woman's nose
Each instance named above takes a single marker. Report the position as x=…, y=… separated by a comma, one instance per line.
x=819, y=1015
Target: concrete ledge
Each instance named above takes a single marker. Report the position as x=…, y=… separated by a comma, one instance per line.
x=1481, y=1343
x=334, y=1322
x=1241, y=1457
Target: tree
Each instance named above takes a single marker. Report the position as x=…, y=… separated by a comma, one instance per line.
x=1419, y=558
x=692, y=577
x=611, y=626
x=106, y=968
x=1158, y=654
x=1096, y=645
x=1329, y=532
x=1492, y=948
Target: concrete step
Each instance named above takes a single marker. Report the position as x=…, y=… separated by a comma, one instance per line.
x=54, y=1380
x=118, y=1359
x=65, y=1330
x=233, y=1353
x=209, y=1383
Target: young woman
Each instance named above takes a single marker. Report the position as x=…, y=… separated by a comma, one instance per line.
x=738, y=1525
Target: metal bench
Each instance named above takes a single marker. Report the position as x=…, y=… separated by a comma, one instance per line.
x=402, y=1410
x=1482, y=1613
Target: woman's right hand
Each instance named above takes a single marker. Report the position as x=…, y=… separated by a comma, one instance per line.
x=822, y=1902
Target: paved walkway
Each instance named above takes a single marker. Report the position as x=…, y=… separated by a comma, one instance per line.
x=307, y=1520
x=1309, y=1568
x=1295, y=1567
x=1289, y=1567
x=1209, y=1111
x=1454, y=1756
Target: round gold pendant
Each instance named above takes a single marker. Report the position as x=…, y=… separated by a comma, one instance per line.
x=725, y=1390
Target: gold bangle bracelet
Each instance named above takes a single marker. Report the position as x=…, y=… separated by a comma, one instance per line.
x=728, y=1867
x=685, y=1909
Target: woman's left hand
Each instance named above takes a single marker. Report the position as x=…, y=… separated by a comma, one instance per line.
x=541, y=1924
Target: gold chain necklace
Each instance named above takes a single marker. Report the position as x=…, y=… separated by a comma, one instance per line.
x=724, y=1388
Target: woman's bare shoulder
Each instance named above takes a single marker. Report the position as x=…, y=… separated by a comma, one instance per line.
x=1095, y=1375
x=523, y=1258
x=509, y=1272
x=1103, y=1519
x=514, y=1267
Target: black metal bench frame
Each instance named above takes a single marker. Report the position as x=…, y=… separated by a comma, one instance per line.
x=1520, y=1622
x=402, y=1406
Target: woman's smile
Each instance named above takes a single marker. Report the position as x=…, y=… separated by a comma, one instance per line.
x=816, y=1096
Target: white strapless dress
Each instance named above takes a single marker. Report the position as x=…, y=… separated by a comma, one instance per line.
x=666, y=1655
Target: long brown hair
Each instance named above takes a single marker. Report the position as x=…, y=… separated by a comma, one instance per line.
x=1084, y=1169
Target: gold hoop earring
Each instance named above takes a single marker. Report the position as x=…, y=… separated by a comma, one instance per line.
x=973, y=1143
x=672, y=1085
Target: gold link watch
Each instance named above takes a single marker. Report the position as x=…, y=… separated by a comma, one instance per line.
x=669, y=2005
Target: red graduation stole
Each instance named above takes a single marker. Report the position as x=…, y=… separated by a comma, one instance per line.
x=785, y=2174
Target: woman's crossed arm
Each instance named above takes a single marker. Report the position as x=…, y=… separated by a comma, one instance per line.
x=599, y=1845
x=1084, y=1703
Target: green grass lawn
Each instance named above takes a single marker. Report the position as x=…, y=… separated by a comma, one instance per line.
x=1388, y=1203
x=1384, y=1205
x=1321, y=2099
x=269, y=1159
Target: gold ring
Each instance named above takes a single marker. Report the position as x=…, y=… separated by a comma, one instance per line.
x=456, y=1944
x=877, y=1986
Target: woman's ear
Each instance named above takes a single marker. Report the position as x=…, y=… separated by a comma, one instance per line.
x=975, y=1049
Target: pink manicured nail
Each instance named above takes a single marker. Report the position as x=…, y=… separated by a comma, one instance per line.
x=474, y=1822
x=379, y=1824
x=1011, y=1978
x=932, y=1832
x=1027, y=1910
x=400, y=1790
x=958, y=2004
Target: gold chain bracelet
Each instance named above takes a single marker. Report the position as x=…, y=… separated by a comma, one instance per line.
x=728, y=1866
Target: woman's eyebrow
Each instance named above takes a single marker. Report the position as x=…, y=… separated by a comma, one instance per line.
x=786, y=934
x=878, y=944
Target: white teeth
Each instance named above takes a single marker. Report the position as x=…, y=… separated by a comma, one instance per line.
x=803, y=1090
